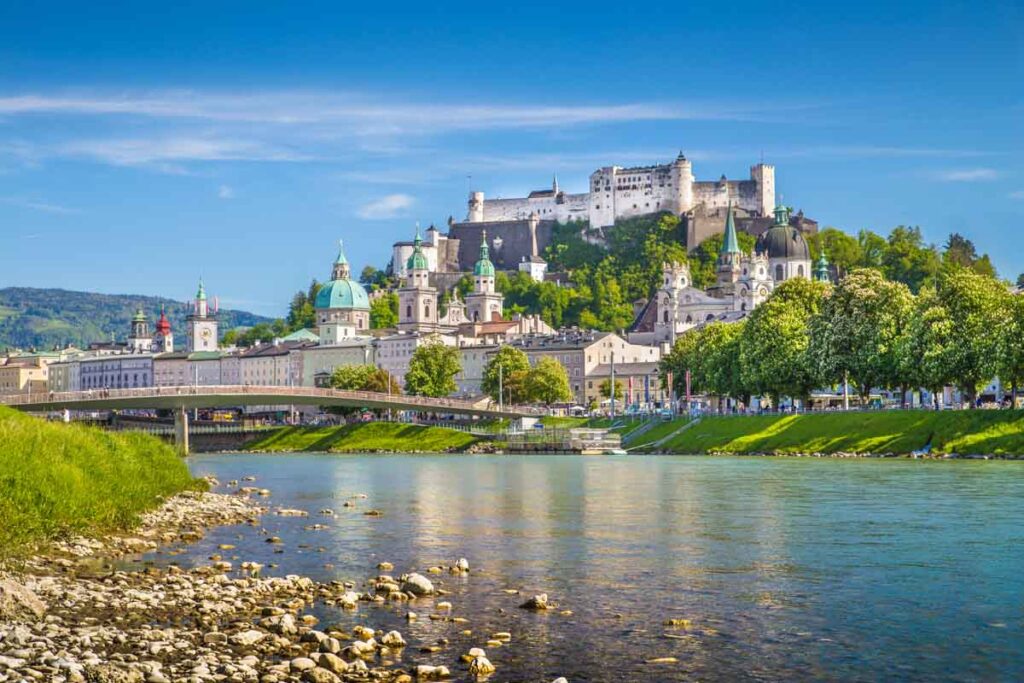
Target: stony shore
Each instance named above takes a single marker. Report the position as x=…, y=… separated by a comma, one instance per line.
x=66, y=616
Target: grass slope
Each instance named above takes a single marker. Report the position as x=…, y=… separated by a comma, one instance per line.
x=57, y=479
x=363, y=438
x=969, y=432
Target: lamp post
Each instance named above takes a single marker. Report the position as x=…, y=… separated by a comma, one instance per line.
x=501, y=392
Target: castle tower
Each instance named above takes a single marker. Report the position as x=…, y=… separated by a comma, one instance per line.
x=764, y=175
x=139, y=341
x=682, y=176
x=729, y=266
x=476, y=208
x=201, y=325
x=417, y=300
x=164, y=341
x=675, y=279
x=485, y=303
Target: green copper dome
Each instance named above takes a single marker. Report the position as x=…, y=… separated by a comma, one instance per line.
x=342, y=294
x=417, y=261
x=140, y=316
x=484, y=267
x=821, y=272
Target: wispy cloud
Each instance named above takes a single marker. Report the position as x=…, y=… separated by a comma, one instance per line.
x=33, y=205
x=390, y=206
x=225, y=192
x=1016, y=194
x=145, y=151
x=966, y=175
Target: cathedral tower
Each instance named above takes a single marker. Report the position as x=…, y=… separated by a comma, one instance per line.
x=140, y=341
x=485, y=303
x=417, y=300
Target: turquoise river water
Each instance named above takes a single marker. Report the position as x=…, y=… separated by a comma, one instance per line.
x=788, y=569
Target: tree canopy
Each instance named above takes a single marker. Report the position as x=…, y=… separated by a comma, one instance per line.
x=432, y=370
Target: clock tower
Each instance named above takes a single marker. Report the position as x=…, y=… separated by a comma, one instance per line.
x=201, y=324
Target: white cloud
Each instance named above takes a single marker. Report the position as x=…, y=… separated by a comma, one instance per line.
x=1017, y=194
x=45, y=207
x=966, y=175
x=226, y=192
x=390, y=206
x=146, y=151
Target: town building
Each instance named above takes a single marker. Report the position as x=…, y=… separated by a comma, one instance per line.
x=121, y=371
x=26, y=373
x=342, y=306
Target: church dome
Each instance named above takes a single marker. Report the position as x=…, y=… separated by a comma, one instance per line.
x=341, y=291
x=342, y=294
x=782, y=240
x=417, y=261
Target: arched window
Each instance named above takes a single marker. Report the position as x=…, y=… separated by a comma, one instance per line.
x=800, y=270
x=426, y=310
x=743, y=306
x=778, y=273
x=689, y=318
x=664, y=317
x=711, y=316
x=408, y=312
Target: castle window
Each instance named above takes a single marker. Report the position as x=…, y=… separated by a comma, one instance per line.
x=408, y=312
x=800, y=271
x=778, y=272
x=689, y=318
x=665, y=317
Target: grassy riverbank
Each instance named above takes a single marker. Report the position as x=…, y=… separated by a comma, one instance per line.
x=60, y=479
x=973, y=432
x=368, y=437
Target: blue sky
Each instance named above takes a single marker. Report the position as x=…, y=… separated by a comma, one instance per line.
x=144, y=146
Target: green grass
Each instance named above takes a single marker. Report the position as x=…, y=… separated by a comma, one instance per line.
x=658, y=432
x=967, y=432
x=363, y=438
x=58, y=479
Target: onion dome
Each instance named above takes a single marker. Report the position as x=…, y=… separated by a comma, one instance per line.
x=342, y=291
x=484, y=267
x=821, y=272
x=163, y=325
x=782, y=240
x=417, y=261
x=201, y=293
x=140, y=316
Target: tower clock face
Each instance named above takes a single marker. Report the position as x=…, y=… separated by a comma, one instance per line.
x=206, y=333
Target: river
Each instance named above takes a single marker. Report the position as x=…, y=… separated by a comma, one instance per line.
x=787, y=569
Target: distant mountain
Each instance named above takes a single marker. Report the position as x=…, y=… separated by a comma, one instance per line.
x=44, y=318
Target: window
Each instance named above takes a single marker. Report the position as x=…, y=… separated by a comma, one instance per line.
x=778, y=273
x=408, y=312
x=665, y=317
x=800, y=270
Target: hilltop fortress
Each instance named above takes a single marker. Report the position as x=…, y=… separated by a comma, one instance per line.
x=617, y=192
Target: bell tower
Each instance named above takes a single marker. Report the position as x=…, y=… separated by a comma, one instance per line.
x=417, y=300
x=201, y=324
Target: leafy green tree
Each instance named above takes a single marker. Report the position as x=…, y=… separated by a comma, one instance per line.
x=926, y=352
x=432, y=370
x=548, y=382
x=720, y=367
x=908, y=259
x=979, y=310
x=685, y=355
x=606, y=389
x=856, y=334
x=774, y=349
x=364, y=378
x=960, y=251
x=1011, y=365
x=872, y=248
x=509, y=368
x=841, y=249
x=384, y=311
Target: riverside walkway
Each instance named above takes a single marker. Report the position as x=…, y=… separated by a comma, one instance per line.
x=181, y=399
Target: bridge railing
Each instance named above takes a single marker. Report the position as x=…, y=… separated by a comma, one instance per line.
x=403, y=400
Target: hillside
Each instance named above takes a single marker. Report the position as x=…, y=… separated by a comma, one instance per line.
x=43, y=318
x=370, y=437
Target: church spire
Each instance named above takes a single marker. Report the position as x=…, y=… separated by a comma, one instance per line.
x=341, y=270
x=554, y=183
x=730, y=244
x=821, y=270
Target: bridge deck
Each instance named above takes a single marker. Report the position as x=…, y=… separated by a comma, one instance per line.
x=234, y=395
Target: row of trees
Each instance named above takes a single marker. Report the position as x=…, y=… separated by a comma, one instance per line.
x=434, y=367
x=868, y=330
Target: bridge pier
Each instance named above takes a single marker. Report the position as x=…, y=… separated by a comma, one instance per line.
x=181, y=430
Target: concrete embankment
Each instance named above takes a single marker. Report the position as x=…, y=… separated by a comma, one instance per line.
x=991, y=433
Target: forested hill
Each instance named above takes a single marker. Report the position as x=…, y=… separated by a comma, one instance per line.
x=44, y=318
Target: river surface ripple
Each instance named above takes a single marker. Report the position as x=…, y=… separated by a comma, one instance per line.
x=788, y=569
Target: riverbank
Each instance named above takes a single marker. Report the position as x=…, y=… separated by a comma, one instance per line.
x=992, y=433
x=60, y=479
x=369, y=437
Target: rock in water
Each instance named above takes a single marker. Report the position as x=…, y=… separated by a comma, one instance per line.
x=17, y=601
x=481, y=666
x=417, y=584
x=537, y=602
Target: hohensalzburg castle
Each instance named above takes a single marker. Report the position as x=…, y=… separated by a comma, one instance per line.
x=617, y=192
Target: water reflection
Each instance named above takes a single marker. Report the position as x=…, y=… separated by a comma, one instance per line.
x=786, y=569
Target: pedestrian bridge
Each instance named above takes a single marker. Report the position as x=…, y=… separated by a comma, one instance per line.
x=181, y=399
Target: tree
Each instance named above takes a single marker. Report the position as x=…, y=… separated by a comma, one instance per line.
x=508, y=368
x=606, y=389
x=908, y=259
x=548, y=382
x=926, y=352
x=720, y=368
x=979, y=313
x=1011, y=366
x=773, y=351
x=841, y=249
x=704, y=259
x=432, y=370
x=856, y=334
x=364, y=378
x=384, y=311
